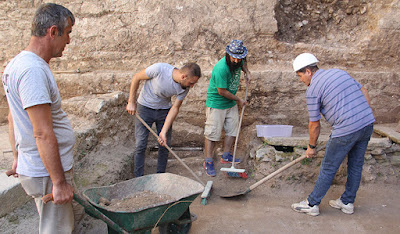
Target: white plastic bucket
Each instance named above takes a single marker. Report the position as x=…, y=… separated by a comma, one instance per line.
x=274, y=130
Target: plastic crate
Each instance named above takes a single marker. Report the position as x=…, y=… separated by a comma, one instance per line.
x=274, y=130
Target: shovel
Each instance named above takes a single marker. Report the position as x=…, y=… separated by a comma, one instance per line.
x=246, y=191
x=169, y=149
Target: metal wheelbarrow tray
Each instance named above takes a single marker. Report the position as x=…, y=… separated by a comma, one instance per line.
x=182, y=190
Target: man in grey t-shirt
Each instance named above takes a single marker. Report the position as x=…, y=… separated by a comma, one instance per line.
x=41, y=136
x=162, y=81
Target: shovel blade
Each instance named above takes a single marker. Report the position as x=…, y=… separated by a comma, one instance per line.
x=235, y=194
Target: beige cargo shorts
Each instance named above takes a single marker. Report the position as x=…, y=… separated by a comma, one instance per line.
x=216, y=119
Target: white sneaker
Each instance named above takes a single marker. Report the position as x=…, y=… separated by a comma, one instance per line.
x=304, y=207
x=338, y=204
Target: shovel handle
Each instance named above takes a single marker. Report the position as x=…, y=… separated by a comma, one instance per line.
x=169, y=149
x=91, y=209
x=281, y=169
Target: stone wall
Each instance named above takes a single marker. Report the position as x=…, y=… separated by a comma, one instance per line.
x=112, y=40
x=382, y=159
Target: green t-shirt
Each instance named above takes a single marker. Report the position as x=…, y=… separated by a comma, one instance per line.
x=222, y=77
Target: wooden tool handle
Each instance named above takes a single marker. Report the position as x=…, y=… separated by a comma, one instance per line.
x=240, y=125
x=277, y=172
x=48, y=197
x=9, y=172
x=169, y=149
x=281, y=169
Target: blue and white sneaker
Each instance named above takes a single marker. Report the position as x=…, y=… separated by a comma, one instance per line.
x=227, y=158
x=209, y=166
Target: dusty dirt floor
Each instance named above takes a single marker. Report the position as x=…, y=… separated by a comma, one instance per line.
x=266, y=209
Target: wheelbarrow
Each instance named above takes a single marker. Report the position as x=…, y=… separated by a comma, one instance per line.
x=171, y=216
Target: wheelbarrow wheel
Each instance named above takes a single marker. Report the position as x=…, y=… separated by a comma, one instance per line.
x=175, y=228
x=181, y=226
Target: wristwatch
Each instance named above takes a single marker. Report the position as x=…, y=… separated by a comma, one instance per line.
x=312, y=146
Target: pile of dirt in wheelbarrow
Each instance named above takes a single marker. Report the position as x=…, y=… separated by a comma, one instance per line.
x=136, y=201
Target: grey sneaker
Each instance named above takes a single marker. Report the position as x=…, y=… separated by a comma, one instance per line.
x=338, y=204
x=304, y=207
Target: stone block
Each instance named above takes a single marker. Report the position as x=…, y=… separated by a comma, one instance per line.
x=12, y=195
x=294, y=141
x=395, y=160
x=380, y=157
x=379, y=143
x=265, y=153
x=388, y=130
x=398, y=127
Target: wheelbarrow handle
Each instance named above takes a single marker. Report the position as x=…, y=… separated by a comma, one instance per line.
x=91, y=209
x=9, y=172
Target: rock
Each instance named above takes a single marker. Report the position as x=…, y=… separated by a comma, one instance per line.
x=394, y=148
x=368, y=156
x=278, y=158
x=395, y=160
x=265, y=153
x=380, y=157
x=398, y=127
x=389, y=131
x=378, y=151
x=12, y=195
x=375, y=143
x=299, y=151
x=368, y=173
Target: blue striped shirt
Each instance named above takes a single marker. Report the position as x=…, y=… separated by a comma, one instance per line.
x=337, y=96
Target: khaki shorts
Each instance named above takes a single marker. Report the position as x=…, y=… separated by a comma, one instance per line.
x=53, y=218
x=218, y=119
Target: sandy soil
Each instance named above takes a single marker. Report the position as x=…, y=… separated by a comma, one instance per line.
x=136, y=201
x=266, y=209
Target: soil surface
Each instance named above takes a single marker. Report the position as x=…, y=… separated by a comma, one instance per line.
x=136, y=201
x=265, y=209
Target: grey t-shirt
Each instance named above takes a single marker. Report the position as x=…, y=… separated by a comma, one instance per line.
x=158, y=90
x=27, y=82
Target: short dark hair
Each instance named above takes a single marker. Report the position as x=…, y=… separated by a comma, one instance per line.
x=192, y=69
x=313, y=68
x=50, y=14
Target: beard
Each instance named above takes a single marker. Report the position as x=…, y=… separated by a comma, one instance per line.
x=232, y=66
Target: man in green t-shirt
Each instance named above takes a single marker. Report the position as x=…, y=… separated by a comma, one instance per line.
x=222, y=103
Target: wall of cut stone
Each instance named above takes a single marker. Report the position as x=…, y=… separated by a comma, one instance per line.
x=112, y=40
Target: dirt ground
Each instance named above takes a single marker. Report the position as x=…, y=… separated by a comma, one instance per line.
x=266, y=209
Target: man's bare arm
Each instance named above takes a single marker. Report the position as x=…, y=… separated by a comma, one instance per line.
x=173, y=112
x=366, y=95
x=131, y=106
x=314, y=129
x=11, y=137
x=46, y=141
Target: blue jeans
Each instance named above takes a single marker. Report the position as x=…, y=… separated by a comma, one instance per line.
x=354, y=145
x=150, y=116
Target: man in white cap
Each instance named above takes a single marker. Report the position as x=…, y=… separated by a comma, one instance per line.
x=222, y=103
x=345, y=104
